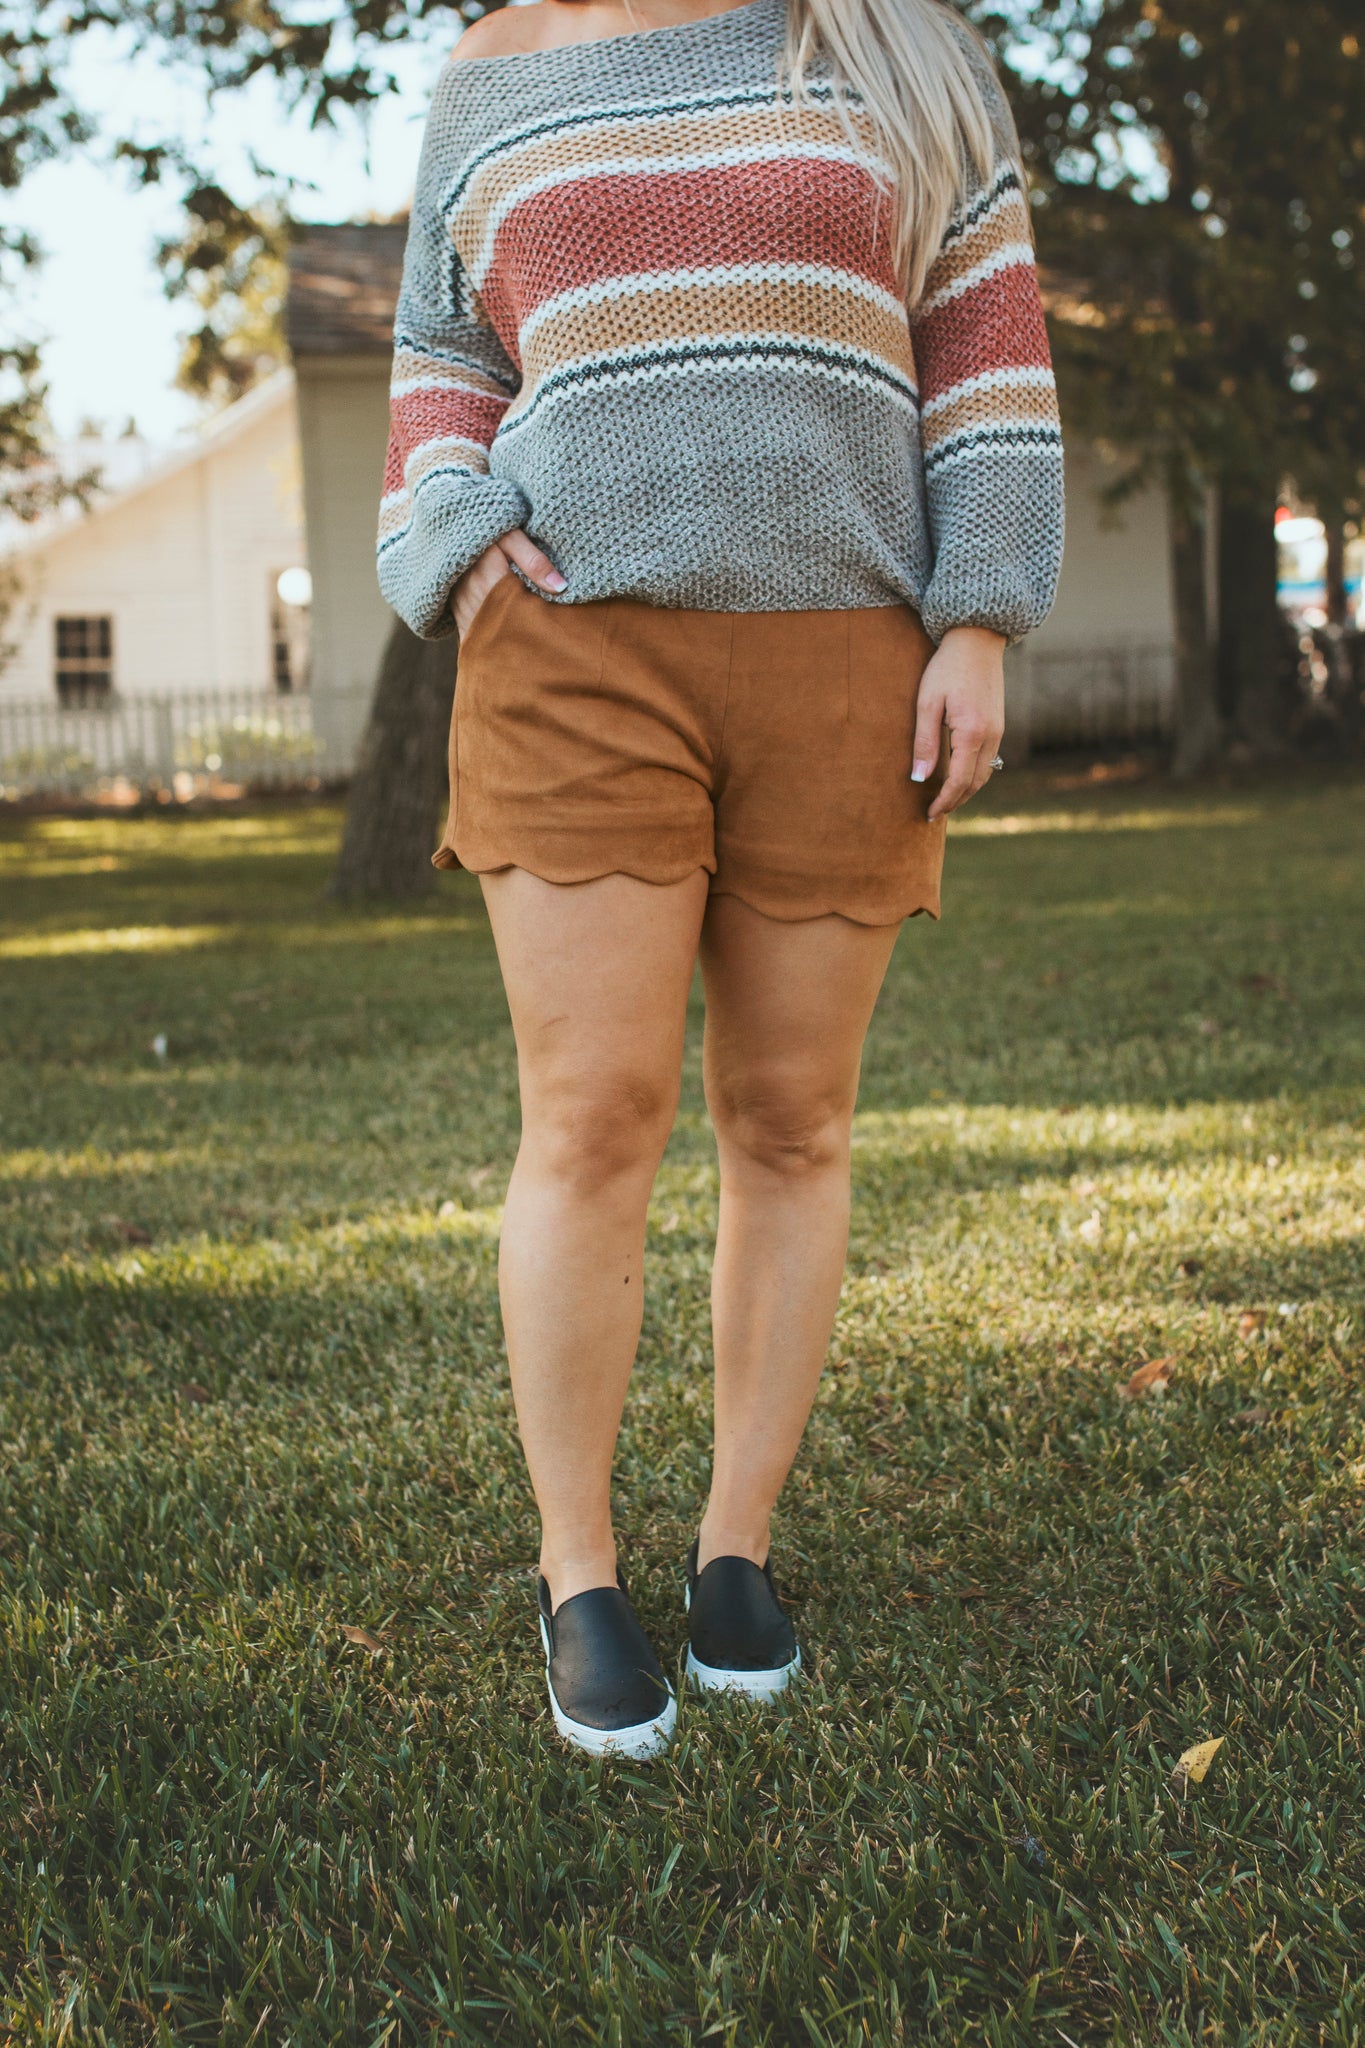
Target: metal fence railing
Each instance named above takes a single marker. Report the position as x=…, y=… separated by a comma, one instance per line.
x=185, y=743
x=1082, y=696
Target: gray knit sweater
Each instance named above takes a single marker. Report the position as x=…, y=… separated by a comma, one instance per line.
x=649, y=315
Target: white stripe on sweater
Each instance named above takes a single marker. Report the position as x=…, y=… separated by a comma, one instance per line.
x=991, y=380
x=473, y=454
x=1014, y=256
x=408, y=385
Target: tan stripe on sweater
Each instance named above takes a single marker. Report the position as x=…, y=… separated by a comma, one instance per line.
x=802, y=311
x=986, y=408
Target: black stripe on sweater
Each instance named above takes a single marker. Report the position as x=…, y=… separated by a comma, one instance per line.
x=718, y=352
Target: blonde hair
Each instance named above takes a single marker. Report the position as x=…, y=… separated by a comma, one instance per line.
x=922, y=75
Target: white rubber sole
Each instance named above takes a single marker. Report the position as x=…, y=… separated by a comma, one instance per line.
x=754, y=1685
x=646, y=1739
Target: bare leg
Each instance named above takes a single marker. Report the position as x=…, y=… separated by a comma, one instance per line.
x=597, y=976
x=787, y=1009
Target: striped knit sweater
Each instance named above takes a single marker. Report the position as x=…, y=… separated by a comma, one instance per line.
x=649, y=314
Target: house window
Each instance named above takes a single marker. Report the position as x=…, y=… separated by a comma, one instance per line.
x=84, y=666
x=282, y=655
x=291, y=596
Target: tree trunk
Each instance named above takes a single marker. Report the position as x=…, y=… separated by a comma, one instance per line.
x=400, y=778
x=1249, y=616
x=1197, y=725
x=1342, y=690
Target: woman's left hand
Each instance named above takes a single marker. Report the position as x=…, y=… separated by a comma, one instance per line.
x=963, y=687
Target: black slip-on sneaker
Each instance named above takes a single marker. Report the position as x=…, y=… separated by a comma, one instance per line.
x=608, y=1694
x=741, y=1641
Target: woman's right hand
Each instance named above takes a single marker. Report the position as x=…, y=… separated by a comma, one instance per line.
x=492, y=565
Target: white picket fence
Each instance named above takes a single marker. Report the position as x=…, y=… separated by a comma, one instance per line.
x=184, y=744
x=1088, y=696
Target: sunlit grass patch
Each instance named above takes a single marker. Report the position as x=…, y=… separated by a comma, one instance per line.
x=105, y=845
x=144, y=938
x=252, y=1395
x=1127, y=818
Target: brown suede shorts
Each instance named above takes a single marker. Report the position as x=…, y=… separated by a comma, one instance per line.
x=772, y=749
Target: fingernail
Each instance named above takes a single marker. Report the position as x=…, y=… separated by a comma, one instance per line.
x=555, y=580
x=920, y=772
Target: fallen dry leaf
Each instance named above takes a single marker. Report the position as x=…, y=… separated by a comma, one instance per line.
x=1266, y=984
x=1152, y=1378
x=1193, y=1767
x=1249, y=1322
x=361, y=1637
x=1251, y=1418
x=195, y=1394
x=131, y=1233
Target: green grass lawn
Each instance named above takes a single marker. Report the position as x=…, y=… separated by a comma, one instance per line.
x=252, y=1395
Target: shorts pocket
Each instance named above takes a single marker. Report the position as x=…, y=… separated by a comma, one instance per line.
x=486, y=614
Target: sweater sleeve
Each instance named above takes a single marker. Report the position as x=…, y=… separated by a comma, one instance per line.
x=991, y=437
x=452, y=381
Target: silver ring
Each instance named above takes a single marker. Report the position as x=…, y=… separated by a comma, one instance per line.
x=997, y=763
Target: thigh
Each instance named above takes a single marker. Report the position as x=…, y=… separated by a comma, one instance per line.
x=597, y=973
x=788, y=1003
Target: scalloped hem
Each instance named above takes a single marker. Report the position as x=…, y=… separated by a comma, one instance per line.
x=567, y=874
x=781, y=912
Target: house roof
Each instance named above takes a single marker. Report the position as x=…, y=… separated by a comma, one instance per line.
x=275, y=394
x=343, y=286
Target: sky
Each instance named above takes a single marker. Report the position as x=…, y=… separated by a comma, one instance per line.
x=110, y=337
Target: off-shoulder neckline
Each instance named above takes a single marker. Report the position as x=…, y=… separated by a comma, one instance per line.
x=746, y=9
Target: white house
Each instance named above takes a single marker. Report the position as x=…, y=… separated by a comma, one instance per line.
x=343, y=285
x=171, y=584
x=1102, y=664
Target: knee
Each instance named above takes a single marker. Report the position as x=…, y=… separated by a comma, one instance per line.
x=591, y=1131
x=782, y=1128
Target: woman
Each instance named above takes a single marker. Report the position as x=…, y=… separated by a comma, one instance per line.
x=724, y=434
